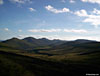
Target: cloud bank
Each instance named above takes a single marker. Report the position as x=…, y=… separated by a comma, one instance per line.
x=92, y=1
x=54, y=10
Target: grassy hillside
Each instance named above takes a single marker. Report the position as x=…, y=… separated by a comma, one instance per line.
x=7, y=48
x=73, y=47
x=68, y=59
x=30, y=43
x=19, y=44
x=38, y=42
x=18, y=65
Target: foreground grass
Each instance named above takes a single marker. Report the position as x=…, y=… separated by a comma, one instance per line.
x=17, y=65
x=12, y=64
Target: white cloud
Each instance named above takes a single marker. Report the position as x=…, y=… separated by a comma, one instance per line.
x=76, y=30
x=59, y=30
x=20, y=36
x=92, y=1
x=80, y=37
x=54, y=10
x=32, y=9
x=93, y=18
x=96, y=11
x=17, y=1
x=1, y=2
x=60, y=37
x=6, y=29
x=21, y=1
x=72, y=1
x=39, y=36
x=81, y=13
x=44, y=30
x=19, y=30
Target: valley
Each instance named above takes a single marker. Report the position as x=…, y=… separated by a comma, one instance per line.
x=49, y=57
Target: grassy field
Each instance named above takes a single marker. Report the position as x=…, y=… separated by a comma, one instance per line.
x=12, y=64
x=45, y=62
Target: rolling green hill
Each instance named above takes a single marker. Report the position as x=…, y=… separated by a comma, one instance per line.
x=7, y=48
x=19, y=44
x=76, y=47
x=18, y=65
x=27, y=57
x=43, y=41
x=30, y=43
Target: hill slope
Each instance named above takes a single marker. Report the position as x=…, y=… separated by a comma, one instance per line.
x=19, y=44
x=30, y=43
x=18, y=65
x=43, y=41
x=67, y=59
x=76, y=47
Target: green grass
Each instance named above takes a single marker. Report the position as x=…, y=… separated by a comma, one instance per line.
x=9, y=67
x=75, y=62
x=20, y=65
x=10, y=50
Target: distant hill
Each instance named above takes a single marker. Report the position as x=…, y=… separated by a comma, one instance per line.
x=29, y=43
x=21, y=57
x=84, y=41
x=42, y=41
x=77, y=46
x=38, y=42
x=19, y=44
x=75, y=43
x=8, y=48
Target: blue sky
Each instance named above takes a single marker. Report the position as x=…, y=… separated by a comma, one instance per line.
x=53, y=19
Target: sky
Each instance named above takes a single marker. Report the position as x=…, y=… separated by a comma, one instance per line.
x=52, y=19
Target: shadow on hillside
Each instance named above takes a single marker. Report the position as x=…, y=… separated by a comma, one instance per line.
x=10, y=63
